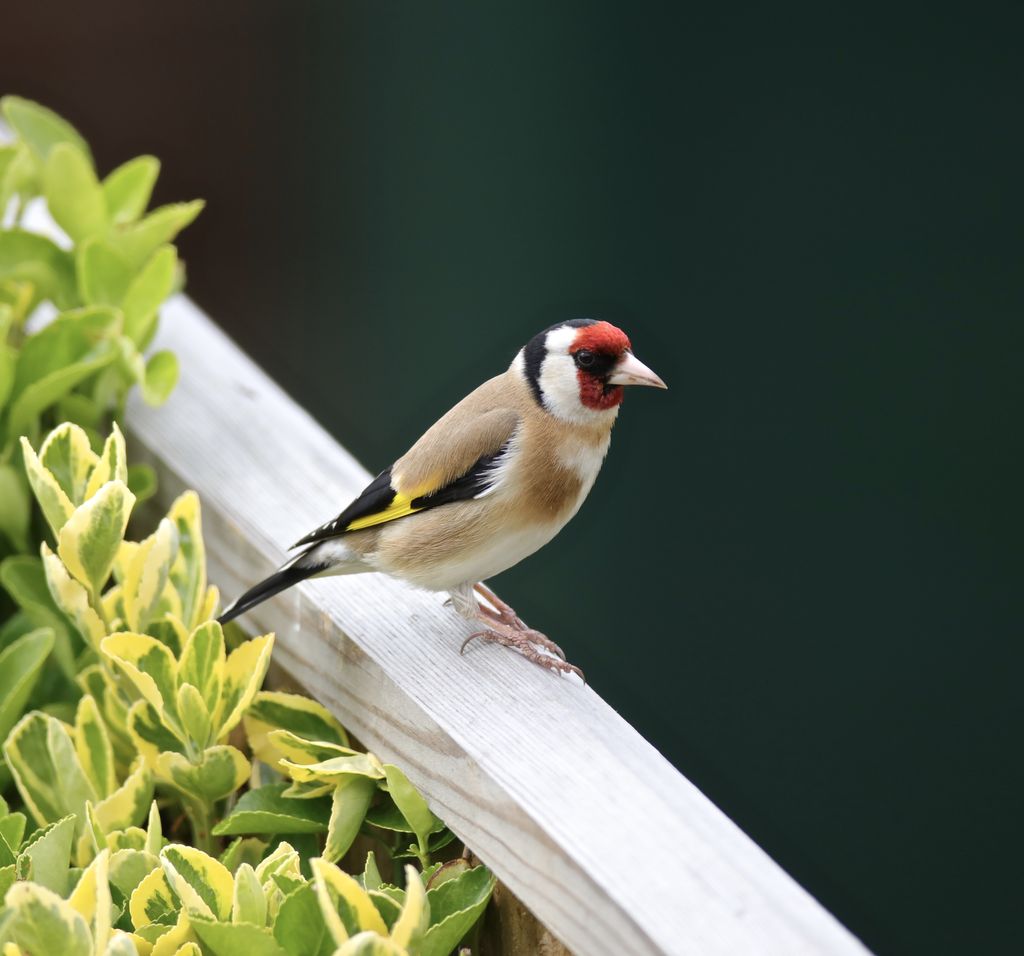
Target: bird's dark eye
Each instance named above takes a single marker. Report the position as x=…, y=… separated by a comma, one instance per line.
x=584, y=358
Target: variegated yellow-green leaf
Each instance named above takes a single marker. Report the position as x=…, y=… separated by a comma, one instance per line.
x=208, y=606
x=128, y=868
x=282, y=861
x=147, y=573
x=41, y=755
x=57, y=507
x=91, y=898
x=130, y=838
x=369, y=944
x=152, y=901
x=220, y=770
x=126, y=806
x=88, y=542
x=112, y=464
x=304, y=750
x=41, y=922
x=349, y=803
x=154, y=831
x=346, y=907
x=244, y=671
x=202, y=883
x=189, y=570
x=195, y=717
x=415, y=916
x=335, y=769
x=126, y=944
x=92, y=745
x=302, y=716
x=148, y=733
x=249, y=904
x=179, y=940
x=100, y=683
x=91, y=840
x=151, y=667
x=203, y=661
x=67, y=455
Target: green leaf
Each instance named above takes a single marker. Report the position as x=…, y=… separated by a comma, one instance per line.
x=43, y=393
x=235, y=939
x=104, y=273
x=42, y=922
x=455, y=905
x=40, y=128
x=142, y=482
x=137, y=242
x=349, y=804
x=300, y=926
x=370, y=944
x=8, y=363
x=249, y=904
x=128, y=188
x=220, y=770
x=147, y=292
x=33, y=258
x=161, y=377
x=73, y=192
x=265, y=810
x=90, y=538
x=15, y=507
x=47, y=855
x=12, y=830
x=248, y=850
x=128, y=868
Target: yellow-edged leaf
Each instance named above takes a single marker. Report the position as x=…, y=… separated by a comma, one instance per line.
x=204, y=885
x=146, y=575
x=302, y=716
x=219, y=771
x=93, y=747
x=332, y=886
x=244, y=671
x=414, y=918
x=57, y=507
x=152, y=900
x=67, y=455
x=91, y=898
x=39, y=921
x=203, y=663
x=195, y=717
x=189, y=570
x=89, y=540
x=126, y=806
x=148, y=734
x=151, y=667
x=112, y=464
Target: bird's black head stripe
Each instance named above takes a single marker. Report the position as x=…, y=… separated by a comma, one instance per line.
x=533, y=354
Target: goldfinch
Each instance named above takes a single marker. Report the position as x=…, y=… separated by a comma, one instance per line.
x=489, y=483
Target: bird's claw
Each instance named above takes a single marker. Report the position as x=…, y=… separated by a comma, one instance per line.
x=526, y=642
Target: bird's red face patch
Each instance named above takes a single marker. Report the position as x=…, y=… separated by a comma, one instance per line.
x=595, y=350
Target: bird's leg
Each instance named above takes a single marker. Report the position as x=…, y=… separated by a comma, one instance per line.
x=503, y=613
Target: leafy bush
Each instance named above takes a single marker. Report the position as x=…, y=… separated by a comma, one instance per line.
x=106, y=284
x=125, y=709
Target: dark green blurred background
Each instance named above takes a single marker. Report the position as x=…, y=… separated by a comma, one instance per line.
x=799, y=574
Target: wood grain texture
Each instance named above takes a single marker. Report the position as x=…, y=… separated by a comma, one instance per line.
x=613, y=849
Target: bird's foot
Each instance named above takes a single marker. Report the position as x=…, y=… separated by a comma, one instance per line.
x=526, y=641
x=504, y=614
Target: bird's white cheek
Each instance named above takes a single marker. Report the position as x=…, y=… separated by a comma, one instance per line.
x=560, y=386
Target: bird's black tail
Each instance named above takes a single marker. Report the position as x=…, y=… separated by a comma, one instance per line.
x=290, y=574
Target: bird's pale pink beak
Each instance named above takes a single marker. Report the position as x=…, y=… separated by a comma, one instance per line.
x=631, y=371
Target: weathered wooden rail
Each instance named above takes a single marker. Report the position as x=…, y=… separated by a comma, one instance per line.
x=612, y=848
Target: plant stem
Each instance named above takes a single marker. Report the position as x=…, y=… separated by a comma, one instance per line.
x=199, y=817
